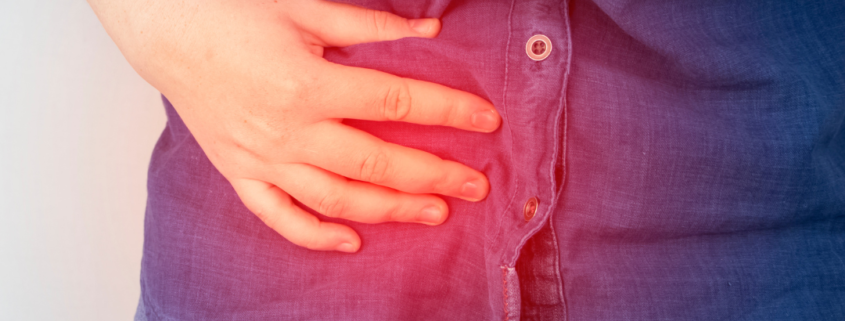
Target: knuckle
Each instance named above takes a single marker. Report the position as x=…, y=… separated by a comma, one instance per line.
x=451, y=113
x=441, y=180
x=396, y=102
x=377, y=22
x=394, y=215
x=332, y=205
x=290, y=93
x=433, y=185
x=376, y=166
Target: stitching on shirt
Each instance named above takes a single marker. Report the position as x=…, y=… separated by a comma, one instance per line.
x=561, y=113
x=510, y=131
x=559, y=289
x=504, y=103
x=505, y=109
x=505, y=291
x=568, y=26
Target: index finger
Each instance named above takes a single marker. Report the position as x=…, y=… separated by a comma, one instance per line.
x=360, y=93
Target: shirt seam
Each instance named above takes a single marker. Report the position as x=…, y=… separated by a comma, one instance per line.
x=504, y=213
x=505, y=292
x=502, y=216
x=564, y=168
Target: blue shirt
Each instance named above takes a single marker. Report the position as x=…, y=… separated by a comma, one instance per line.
x=668, y=160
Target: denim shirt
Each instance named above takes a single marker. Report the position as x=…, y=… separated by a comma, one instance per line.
x=668, y=160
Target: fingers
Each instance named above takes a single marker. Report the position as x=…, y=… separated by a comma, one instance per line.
x=351, y=25
x=336, y=196
x=363, y=157
x=276, y=209
x=360, y=93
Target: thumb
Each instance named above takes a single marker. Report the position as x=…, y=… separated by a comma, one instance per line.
x=341, y=25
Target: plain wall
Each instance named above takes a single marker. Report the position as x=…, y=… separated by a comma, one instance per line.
x=76, y=132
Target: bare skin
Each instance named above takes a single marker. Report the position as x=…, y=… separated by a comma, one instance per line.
x=250, y=83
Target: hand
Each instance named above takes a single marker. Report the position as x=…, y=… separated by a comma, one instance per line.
x=250, y=83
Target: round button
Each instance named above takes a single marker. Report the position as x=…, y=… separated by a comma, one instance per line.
x=530, y=208
x=538, y=47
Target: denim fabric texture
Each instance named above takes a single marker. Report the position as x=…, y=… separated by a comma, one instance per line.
x=688, y=158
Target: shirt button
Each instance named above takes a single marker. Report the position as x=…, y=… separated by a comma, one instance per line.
x=530, y=208
x=538, y=47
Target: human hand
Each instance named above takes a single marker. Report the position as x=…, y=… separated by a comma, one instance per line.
x=249, y=81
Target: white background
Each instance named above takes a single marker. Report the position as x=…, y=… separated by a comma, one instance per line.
x=76, y=131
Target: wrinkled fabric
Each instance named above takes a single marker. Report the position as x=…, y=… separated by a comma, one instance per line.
x=688, y=158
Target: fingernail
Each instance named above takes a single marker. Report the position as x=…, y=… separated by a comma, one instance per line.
x=346, y=247
x=472, y=191
x=421, y=26
x=431, y=215
x=485, y=120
